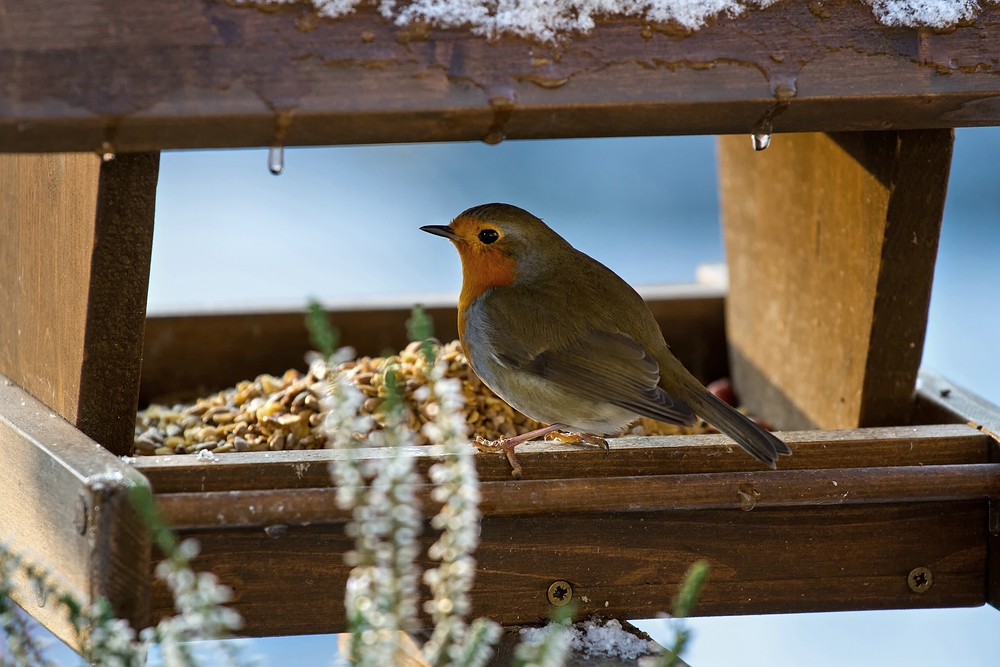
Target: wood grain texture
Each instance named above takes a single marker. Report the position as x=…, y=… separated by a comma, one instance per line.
x=646, y=493
x=64, y=504
x=831, y=242
x=191, y=355
x=939, y=399
x=140, y=76
x=628, y=565
x=74, y=271
x=956, y=444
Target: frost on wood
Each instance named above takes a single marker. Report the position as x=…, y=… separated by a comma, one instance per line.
x=929, y=13
x=548, y=19
x=590, y=639
x=541, y=19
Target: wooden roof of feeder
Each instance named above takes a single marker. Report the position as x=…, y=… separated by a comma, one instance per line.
x=139, y=76
x=831, y=237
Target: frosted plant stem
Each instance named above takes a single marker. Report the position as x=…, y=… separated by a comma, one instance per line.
x=457, y=489
x=382, y=588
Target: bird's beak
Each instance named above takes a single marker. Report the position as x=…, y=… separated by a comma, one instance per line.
x=440, y=230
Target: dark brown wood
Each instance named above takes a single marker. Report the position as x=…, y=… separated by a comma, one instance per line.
x=831, y=242
x=628, y=565
x=956, y=444
x=74, y=270
x=941, y=400
x=135, y=76
x=64, y=505
x=590, y=521
x=748, y=490
x=191, y=355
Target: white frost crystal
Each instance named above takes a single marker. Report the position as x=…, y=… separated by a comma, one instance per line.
x=929, y=13
x=547, y=19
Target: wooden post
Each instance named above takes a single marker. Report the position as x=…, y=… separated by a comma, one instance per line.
x=831, y=241
x=74, y=270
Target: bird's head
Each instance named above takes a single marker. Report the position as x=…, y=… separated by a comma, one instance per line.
x=498, y=244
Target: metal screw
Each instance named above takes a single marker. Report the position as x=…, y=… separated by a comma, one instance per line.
x=920, y=579
x=560, y=593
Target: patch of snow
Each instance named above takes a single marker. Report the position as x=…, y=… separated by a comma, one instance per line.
x=108, y=481
x=920, y=13
x=591, y=639
x=207, y=455
x=546, y=20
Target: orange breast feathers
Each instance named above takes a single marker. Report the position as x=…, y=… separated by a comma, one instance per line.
x=482, y=268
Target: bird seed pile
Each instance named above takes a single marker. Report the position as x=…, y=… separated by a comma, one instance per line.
x=274, y=413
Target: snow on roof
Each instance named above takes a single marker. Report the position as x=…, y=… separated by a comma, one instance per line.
x=548, y=19
x=591, y=639
x=930, y=13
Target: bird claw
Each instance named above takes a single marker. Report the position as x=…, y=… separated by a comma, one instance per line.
x=588, y=438
x=504, y=445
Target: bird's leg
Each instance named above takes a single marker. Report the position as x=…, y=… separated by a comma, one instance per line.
x=507, y=445
x=589, y=438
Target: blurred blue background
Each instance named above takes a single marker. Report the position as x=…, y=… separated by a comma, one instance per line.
x=341, y=224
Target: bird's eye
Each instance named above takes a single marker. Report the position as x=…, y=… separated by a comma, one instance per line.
x=489, y=235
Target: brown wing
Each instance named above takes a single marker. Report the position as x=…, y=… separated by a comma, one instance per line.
x=609, y=367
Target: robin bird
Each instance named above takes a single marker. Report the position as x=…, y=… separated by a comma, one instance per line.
x=563, y=339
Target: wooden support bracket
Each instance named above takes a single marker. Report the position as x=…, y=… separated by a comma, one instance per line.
x=64, y=505
x=74, y=271
x=831, y=241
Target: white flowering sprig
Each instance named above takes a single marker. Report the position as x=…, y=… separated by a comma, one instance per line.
x=457, y=489
x=20, y=647
x=107, y=641
x=383, y=593
x=199, y=598
x=345, y=429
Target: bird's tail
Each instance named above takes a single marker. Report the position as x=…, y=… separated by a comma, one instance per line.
x=751, y=436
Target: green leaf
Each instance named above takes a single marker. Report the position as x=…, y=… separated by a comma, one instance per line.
x=322, y=334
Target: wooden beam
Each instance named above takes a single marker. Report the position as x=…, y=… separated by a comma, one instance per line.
x=831, y=241
x=65, y=507
x=74, y=269
x=290, y=579
x=645, y=493
x=955, y=444
x=192, y=355
x=623, y=529
x=941, y=400
x=130, y=76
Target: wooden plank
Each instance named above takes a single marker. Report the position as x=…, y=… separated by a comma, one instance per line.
x=937, y=398
x=956, y=444
x=628, y=565
x=191, y=355
x=64, y=504
x=831, y=242
x=74, y=270
x=180, y=74
x=748, y=490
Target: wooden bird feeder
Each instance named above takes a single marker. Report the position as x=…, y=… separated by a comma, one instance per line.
x=831, y=236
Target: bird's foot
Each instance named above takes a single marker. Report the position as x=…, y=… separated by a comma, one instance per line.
x=505, y=445
x=575, y=436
